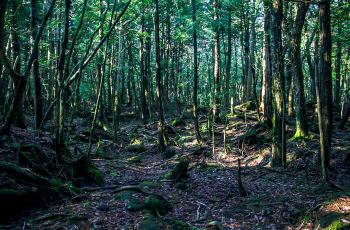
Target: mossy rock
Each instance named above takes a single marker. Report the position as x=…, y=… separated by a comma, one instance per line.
x=134, y=204
x=157, y=204
x=96, y=176
x=150, y=222
x=249, y=105
x=179, y=171
x=333, y=221
x=134, y=160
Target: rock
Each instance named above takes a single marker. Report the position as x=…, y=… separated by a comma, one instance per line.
x=180, y=170
x=157, y=204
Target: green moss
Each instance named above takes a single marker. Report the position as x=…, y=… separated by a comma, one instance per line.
x=180, y=170
x=150, y=222
x=204, y=128
x=179, y=225
x=125, y=195
x=331, y=221
x=150, y=184
x=96, y=176
x=249, y=105
x=136, y=141
x=115, y=174
x=177, y=122
x=157, y=205
x=134, y=160
x=301, y=136
x=100, y=152
x=133, y=203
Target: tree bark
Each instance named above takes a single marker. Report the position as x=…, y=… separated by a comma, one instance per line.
x=300, y=109
x=266, y=91
x=325, y=94
x=195, y=73
x=161, y=120
x=279, y=141
x=38, y=103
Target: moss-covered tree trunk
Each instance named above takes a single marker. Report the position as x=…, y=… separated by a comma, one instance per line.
x=278, y=144
x=300, y=109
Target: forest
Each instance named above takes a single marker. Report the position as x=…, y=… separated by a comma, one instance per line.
x=174, y=114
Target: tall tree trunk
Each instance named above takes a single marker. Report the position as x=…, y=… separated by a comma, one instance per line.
x=61, y=94
x=161, y=121
x=337, y=72
x=217, y=84
x=38, y=103
x=279, y=141
x=144, y=82
x=195, y=74
x=325, y=94
x=266, y=91
x=300, y=109
x=311, y=66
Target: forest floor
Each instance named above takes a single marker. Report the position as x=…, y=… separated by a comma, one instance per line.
x=208, y=198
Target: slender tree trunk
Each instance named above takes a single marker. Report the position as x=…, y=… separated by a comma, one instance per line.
x=300, y=109
x=337, y=72
x=161, y=121
x=195, y=74
x=217, y=84
x=38, y=103
x=266, y=100
x=311, y=66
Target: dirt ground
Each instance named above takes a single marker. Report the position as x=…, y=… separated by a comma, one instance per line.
x=208, y=198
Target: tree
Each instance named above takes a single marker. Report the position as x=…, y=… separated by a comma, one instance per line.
x=195, y=73
x=301, y=119
x=161, y=120
x=266, y=91
x=325, y=100
x=279, y=141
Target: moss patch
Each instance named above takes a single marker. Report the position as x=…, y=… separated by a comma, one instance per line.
x=96, y=176
x=157, y=205
x=150, y=222
x=134, y=160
